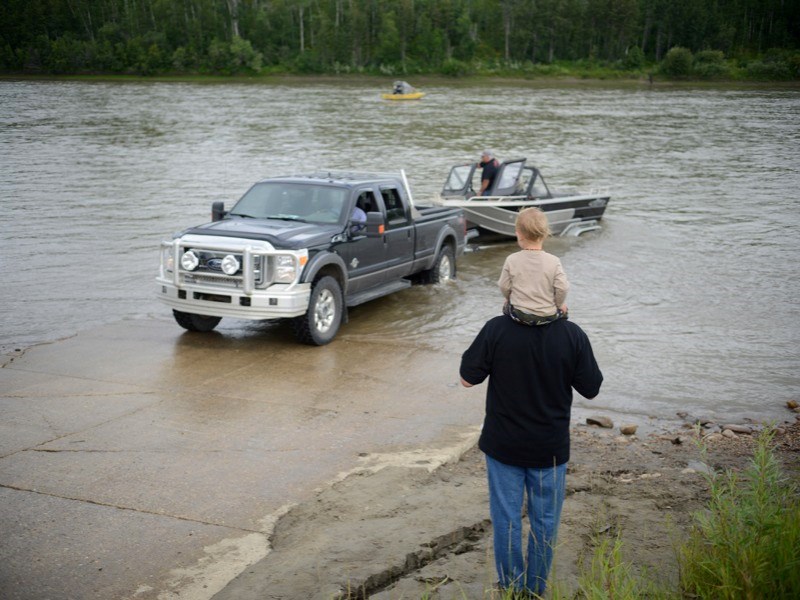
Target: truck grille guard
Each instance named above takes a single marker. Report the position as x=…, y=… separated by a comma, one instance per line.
x=256, y=268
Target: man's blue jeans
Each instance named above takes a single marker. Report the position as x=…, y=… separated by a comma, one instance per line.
x=545, y=490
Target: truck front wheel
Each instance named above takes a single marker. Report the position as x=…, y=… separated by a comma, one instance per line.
x=324, y=316
x=194, y=322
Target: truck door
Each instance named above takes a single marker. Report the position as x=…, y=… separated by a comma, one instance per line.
x=399, y=233
x=364, y=256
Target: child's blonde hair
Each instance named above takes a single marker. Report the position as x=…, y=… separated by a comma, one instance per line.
x=532, y=224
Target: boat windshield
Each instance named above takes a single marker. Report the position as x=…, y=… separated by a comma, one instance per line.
x=538, y=189
x=459, y=179
x=292, y=202
x=509, y=176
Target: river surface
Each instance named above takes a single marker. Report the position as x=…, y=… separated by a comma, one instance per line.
x=689, y=292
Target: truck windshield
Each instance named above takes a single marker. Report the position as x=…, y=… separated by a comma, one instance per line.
x=292, y=202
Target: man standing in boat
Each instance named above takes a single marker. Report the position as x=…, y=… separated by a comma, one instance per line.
x=490, y=167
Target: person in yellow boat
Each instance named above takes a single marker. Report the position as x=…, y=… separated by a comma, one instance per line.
x=403, y=87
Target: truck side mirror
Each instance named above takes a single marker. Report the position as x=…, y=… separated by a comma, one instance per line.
x=376, y=226
x=218, y=211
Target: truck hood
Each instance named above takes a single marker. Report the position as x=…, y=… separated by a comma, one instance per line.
x=291, y=235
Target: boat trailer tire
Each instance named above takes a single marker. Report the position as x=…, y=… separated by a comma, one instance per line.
x=444, y=267
x=324, y=316
x=194, y=322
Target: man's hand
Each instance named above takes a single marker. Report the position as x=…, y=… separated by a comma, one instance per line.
x=465, y=383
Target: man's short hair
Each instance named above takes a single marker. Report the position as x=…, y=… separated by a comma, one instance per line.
x=532, y=224
x=487, y=153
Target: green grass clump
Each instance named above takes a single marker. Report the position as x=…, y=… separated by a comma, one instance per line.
x=612, y=577
x=747, y=544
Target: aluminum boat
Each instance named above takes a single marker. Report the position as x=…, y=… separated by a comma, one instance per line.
x=519, y=186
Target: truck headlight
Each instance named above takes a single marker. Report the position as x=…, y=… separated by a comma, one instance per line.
x=189, y=261
x=167, y=259
x=230, y=265
x=285, y=268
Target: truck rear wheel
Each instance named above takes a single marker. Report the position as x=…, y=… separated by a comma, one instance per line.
x=194, y=322
x=444, y=267
x=324, y=316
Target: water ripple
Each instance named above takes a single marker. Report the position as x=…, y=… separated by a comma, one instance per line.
x=689, y=291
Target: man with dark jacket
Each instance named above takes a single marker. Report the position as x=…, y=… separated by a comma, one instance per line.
x=490, y=167
x=531, y=371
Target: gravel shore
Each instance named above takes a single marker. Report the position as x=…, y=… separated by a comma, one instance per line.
x=408, y=532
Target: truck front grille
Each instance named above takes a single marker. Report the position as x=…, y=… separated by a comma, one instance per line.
x=222, y=280
x=209, y=271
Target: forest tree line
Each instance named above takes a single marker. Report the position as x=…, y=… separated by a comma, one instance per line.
x=148, y=37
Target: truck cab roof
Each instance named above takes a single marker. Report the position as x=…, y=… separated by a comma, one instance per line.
x=348, y=179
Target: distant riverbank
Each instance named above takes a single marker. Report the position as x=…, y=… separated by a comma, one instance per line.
x=631, y=80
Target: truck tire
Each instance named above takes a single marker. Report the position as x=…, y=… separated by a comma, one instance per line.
x=194, y=322
x=444, y=267
x=324, y=316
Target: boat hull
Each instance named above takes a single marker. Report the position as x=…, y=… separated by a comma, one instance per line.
x=563, y=214
x=414, y=96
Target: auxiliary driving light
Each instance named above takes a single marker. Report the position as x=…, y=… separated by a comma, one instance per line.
x=230, y=265
x=189, y=261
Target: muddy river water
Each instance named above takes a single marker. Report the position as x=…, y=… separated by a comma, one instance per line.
x=689, y=292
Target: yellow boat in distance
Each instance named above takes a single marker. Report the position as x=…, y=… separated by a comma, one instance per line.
x=402, y=90
x=412, y=96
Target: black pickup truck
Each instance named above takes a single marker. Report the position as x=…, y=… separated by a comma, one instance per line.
x=299, y=248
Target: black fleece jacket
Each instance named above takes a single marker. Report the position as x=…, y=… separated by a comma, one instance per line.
x=532, y=371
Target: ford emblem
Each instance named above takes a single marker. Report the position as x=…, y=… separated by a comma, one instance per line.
x=215, y=264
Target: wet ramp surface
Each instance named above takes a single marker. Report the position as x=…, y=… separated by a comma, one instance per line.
x=139, y=461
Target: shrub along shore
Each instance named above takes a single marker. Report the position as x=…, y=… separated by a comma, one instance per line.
x=753, y=40
x=679, y=65
x=558, y=75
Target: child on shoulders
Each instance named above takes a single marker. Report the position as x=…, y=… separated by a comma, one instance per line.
x=533, y=281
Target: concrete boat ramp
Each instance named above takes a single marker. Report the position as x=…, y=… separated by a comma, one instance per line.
x=141, y=461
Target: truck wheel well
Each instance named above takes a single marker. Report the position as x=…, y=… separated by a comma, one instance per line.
x=332, y=271
x=450, y=241
x=447, y=242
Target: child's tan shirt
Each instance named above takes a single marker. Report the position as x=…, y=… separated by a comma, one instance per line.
x=534, y=281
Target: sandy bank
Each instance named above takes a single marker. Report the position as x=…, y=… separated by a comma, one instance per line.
x=406, y=532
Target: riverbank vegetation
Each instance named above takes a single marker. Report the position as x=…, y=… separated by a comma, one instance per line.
x=744, y=544
x=671, y=39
